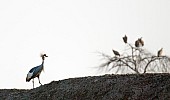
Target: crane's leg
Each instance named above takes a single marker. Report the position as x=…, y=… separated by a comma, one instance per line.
x=33, y=82
x=39, y=80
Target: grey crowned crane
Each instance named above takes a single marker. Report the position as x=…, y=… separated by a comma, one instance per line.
x=160, y=52
x=36, y=71
x=125, y=39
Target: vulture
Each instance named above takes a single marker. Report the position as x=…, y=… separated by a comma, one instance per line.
x=160, y=52
x=141, y=42
x=125, y=39
x=116, y=52
x=137, y=43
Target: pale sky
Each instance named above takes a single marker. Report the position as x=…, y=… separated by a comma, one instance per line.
x=70, y=32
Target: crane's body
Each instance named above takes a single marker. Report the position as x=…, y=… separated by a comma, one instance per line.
x=36, y=71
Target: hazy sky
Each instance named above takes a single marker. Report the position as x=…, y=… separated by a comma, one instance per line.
x=70, y=32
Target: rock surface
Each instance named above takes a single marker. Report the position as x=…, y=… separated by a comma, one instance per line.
x=107, y=87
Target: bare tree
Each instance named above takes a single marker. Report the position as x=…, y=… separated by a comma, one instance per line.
x=136, y=60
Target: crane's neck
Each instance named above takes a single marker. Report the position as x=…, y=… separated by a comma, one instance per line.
x=42, y=65
x=42, y=62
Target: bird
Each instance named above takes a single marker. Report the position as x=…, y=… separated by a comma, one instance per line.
x=116, y=52
x=137, y=43
x=125, y=39
x=141, y=42
x=36, y=71
x=160, y=52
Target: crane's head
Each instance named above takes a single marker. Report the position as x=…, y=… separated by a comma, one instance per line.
x=43, y=56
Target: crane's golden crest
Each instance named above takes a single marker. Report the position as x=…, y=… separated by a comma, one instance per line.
x=42, y=54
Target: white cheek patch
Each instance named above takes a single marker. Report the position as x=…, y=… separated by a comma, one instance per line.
x=29, y=75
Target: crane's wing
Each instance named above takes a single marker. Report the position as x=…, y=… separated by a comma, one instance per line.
x=37, y=71
x=34, y=72
x=30, y=74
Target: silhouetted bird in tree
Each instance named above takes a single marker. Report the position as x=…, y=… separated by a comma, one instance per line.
x=160, y=52
x=36, y=71
x=137, y=43
x=125, y=39
x=141, y=42
x=116, y=52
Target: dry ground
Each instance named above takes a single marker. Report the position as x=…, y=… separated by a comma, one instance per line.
x=107, y=87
